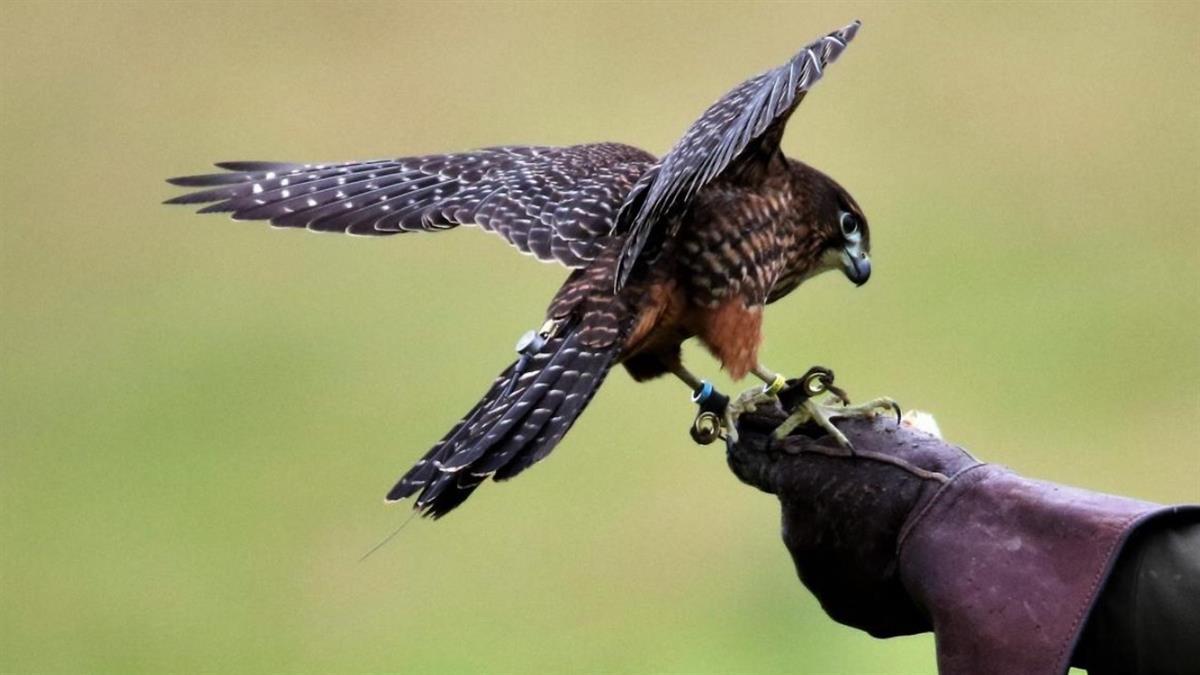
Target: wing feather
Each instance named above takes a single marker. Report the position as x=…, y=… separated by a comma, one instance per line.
x=742, y=127
x=555, y=203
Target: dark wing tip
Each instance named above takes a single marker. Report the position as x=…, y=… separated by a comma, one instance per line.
x=202, y=180
x=851, y=29
x=210, y=179
x=257, y=166
x=235, y=172
x=227, y=184
x=224, y=206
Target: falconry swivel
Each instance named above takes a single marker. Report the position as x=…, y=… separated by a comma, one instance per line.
x=691, y=244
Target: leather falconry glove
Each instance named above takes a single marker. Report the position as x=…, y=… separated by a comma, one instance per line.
x=907, y=534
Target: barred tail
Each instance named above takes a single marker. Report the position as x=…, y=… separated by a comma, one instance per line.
x=518, y=422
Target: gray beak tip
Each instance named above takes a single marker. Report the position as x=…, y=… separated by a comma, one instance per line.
x=858, y=268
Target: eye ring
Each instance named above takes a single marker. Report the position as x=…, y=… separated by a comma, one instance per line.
x=849, y=224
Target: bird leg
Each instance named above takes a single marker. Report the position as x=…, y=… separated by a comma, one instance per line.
x=749, y=401
x=711, y=421
x=799, y=395
x=694, y=383
x=718, y=415
x=746, y=402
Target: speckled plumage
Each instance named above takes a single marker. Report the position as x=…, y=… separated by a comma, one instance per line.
x=553, y=203
x=690, y=245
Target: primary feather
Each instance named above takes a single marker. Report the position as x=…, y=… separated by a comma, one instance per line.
x=555, y=203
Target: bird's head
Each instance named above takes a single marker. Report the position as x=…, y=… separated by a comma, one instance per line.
x=845, y=234
x=851, y=243
x=841, y=230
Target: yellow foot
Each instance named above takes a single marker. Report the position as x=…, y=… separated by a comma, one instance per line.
x=822, y=415
x=747, y=402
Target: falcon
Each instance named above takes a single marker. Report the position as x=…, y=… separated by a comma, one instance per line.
x=693, y=244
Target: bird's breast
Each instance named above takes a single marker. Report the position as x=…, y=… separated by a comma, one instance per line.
x=726, y=259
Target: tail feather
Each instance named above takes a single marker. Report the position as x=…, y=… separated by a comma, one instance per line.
x=512, y=427
x=560, y=423
x=591, y=368
x=539, y=381
x=426, y=469
x=522, y=437
x=449, y=491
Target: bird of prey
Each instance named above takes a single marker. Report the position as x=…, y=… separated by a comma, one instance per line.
x=693, y=244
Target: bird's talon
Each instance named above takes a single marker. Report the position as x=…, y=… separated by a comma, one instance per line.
x=747, y=402
x=823, y=414
x=730, y=431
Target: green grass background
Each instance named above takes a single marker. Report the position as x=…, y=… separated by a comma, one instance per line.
x=199, y=418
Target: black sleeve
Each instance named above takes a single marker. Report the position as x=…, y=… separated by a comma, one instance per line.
x=1147, y=618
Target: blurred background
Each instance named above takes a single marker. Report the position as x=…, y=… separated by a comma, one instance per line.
x=199, y=418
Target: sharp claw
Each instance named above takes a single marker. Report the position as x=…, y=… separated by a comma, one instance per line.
x=730, y=421
x=806, y=409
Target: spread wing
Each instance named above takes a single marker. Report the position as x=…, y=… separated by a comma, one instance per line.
x=740, y=130
x=556, y=203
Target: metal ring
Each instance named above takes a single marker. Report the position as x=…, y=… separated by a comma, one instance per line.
x=776, y=385
x=816, y=383
x=706, y=428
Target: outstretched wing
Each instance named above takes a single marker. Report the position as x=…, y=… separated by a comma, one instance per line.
x=556, y=203
x=742, y=128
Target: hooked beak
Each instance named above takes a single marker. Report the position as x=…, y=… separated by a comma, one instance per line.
x=856, y=264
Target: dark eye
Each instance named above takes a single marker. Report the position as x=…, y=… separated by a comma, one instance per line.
x=849, y=224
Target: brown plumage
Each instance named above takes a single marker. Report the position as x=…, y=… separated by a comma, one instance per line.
x=694, y=244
